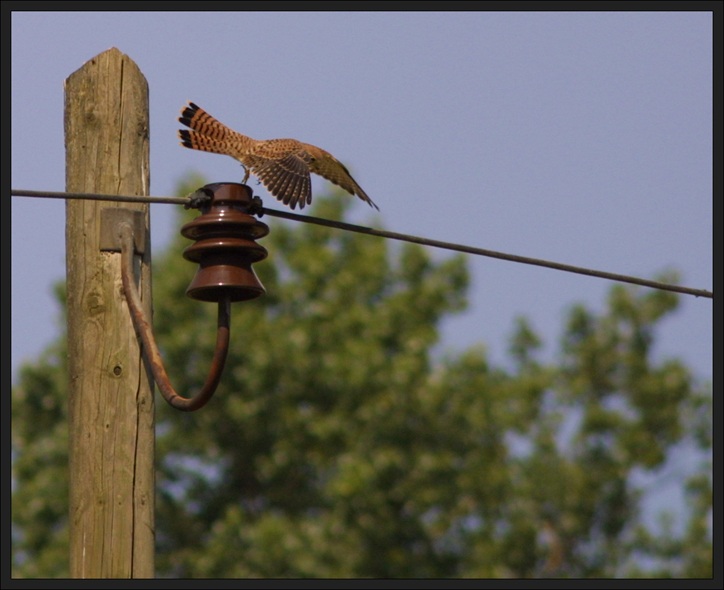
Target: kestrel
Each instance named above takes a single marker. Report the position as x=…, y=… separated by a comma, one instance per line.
x=282, y=165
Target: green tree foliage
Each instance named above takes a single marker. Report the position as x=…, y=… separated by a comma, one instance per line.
x=338, y=446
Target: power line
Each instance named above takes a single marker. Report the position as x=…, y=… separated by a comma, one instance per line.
x=390, y=235
x=491, y=253
x=99, y=197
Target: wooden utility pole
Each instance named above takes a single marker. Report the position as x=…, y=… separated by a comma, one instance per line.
x=111, y=412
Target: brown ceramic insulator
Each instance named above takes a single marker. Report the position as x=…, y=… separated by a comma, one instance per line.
x=225, y=247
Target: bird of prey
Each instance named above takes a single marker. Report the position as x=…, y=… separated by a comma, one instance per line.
x=282, y=165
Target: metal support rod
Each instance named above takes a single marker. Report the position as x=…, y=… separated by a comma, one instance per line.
x=145, y=332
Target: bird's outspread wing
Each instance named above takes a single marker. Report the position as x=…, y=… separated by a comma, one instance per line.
x=327, y=166
x=283, y=167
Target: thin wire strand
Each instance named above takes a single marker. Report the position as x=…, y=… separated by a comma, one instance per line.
x=99, y=197
x=393, y=236
x=491, y=253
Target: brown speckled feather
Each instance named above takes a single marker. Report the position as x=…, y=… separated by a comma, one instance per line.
x=282, y=165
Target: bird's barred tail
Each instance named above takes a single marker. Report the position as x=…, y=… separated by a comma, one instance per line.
x=207, y=134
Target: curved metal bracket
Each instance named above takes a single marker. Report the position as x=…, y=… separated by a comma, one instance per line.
x=145, y=332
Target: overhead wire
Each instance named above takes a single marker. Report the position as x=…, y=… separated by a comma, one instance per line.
x=390, y=235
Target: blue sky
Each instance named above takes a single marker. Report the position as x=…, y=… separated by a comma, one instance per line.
x=579, y=137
